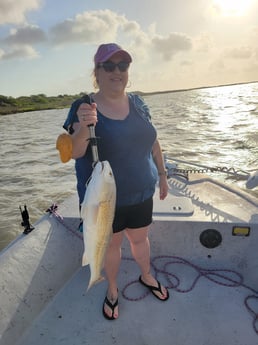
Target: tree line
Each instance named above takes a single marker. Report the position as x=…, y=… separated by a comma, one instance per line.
x=11, y=105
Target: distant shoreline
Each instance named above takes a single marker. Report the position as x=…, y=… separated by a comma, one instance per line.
x=10, y=105
x=193, y=88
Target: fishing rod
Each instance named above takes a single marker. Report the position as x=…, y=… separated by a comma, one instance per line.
x=92, y=139
x=94, y=144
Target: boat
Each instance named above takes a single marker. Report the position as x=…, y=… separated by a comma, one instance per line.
x=204, y=241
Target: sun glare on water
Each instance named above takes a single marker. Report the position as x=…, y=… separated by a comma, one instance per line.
x=232, y=7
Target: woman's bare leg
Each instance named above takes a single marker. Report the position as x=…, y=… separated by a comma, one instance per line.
x=111, y=266
x=140, y=247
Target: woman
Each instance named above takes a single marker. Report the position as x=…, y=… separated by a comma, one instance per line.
x=128, y=141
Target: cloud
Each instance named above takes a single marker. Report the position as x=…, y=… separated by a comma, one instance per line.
x=19, y=43
x=13, y=11
x=131, y=27
x=171, y=45
x=254, y=40
x=239, y=53
x=19, y=53
x=28, y=34
x=95, y=27
x=87, y=27
x=203, y=43
x=217, y=65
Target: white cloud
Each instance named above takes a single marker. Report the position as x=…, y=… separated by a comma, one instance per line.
x=171, y=45
x=95, y=27
x=253, y=40
x=181, y=46
x=239, y=53
x=217, y=65
x=14, y=11
x=87, y=27
x=203, y=43
x=131, y=27
x=28, y=34
x=19, y=43
x=18, y=52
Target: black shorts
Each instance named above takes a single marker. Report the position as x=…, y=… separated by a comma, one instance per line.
x=133, y=216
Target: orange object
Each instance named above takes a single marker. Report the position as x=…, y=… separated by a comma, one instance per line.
x=65, y=146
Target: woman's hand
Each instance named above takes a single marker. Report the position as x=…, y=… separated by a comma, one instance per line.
x=159, y=161
x=87, y=114
x=163, y=187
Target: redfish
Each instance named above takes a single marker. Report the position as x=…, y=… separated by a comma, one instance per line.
x=97, y=212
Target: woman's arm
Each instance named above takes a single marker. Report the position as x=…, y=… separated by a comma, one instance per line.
x=87, y=115
x=159, y=161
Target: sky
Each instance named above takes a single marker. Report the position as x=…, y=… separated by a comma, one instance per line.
x=47, y=46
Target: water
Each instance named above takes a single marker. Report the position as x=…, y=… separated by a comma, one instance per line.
x=214, y=126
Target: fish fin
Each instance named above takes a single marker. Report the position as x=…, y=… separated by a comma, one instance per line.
x=85, y=260
x=91, y=283
x=84, y=208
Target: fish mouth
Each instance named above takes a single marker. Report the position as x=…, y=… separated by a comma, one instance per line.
x=95, y=163
x=102, y=165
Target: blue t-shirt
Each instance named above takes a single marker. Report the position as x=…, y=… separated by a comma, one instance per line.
x=127, y=145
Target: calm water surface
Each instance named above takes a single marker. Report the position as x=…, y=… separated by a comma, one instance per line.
x=214, y=126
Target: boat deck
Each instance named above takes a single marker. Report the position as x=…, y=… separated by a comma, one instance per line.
x=209, y=313
x=213, y=290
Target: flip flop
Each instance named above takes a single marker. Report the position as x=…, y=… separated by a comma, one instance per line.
x=111, y=306
x=155, y=288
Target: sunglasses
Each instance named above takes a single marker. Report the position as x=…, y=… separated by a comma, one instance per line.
x=110, y=66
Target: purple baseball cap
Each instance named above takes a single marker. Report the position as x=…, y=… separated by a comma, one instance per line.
x=105, y=51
